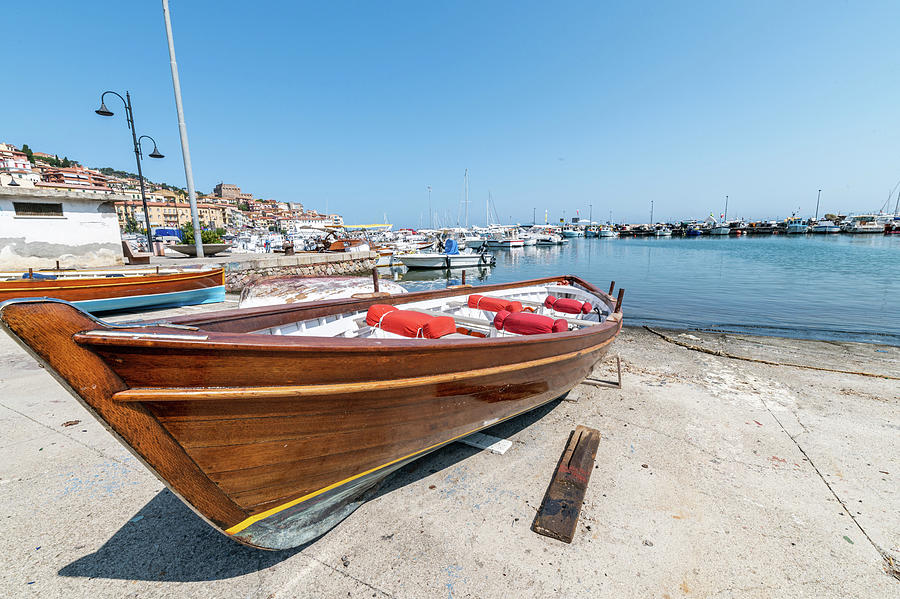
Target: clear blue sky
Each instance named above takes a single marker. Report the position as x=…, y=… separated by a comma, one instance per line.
x=358, y=106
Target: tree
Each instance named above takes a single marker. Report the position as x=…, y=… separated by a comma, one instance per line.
x=244, y=206
x=187, y=234
x=65, y=162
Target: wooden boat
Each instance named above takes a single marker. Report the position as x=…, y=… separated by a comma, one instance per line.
x=106, y=290
x=275, y=423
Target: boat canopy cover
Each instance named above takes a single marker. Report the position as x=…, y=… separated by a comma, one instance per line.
x=408, y=323
x=451, y=247
x=37, y=275
x=493, y=304
x=526, y=323
x=567, y=305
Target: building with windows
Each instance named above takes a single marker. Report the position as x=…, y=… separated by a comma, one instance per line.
x=15, y=163
x=226, y=190
x=170, y=214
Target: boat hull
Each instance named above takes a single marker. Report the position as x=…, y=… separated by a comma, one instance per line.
x=432, y=261
x=103, y=294
x=275, y=439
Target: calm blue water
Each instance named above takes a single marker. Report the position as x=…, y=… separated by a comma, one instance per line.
x=819, y=287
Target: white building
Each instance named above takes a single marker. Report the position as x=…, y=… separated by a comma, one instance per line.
x=40, y=226
x=15, y=163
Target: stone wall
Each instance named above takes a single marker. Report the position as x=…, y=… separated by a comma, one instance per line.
x=240, y=274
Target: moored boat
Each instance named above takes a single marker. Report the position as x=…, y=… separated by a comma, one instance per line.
x=607, y=231
x=795, y=226
x=275, y=423
x=823, y=225
x=119, y=289
x=862, y=223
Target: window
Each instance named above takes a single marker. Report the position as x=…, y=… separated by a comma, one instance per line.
x=37, y=209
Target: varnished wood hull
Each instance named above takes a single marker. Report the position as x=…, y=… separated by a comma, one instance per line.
x=131, y=291
x=273, y=439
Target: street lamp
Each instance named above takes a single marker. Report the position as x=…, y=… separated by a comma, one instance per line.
x=129, y=117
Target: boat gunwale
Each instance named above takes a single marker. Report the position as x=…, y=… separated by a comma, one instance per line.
x=253, y=341
x=240, y=314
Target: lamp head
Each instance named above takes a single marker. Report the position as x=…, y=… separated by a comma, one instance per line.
x=103, y=110
x=12, y=181
x=155, y=153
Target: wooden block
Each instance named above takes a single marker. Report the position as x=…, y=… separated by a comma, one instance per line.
x=558, y=516
x=489, y=442
x=574, y=394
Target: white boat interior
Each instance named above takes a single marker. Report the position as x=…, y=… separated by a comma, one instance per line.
x=468, y=321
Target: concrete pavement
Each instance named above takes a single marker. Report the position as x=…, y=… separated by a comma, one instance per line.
x=714, y=478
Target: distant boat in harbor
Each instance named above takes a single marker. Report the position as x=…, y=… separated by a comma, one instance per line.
x=823, y=225
x=607, y=231
x=862, y=223
x=795, y=226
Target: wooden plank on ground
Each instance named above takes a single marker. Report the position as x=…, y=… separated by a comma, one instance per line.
x=489, y=442
x=558, y=516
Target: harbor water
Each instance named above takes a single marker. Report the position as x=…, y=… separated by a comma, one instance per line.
x=831, y=287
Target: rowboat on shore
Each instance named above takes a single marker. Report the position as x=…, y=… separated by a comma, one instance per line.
x=118, y=289
x=274, y=423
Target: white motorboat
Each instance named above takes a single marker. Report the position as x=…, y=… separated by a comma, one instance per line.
x=451, y=258
x=607, y=231
x=720, y=230
x=823, y=225
x=505, y=243
x=862, y=223
x=474, y=242
x=434, y=260
x=549, y=239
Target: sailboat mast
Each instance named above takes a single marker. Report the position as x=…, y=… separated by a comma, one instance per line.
x=651, y=212
x=467, y=198
x=818, y=197
x=726, y=209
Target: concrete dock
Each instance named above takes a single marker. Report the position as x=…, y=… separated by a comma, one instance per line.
x=715, y=477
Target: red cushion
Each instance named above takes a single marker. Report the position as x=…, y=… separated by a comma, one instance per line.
x=438, y=326
x=525, y=323
x=567, y=305
x=493, y=304
x=408, y=323
x=376, y=312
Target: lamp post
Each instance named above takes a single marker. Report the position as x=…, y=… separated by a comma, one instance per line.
x=129, y=117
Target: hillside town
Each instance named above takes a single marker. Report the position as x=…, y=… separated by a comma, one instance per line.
x=227, y=207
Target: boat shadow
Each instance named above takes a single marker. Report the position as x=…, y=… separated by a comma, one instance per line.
x=166, y=542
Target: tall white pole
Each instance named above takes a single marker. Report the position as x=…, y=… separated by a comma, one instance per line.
x=467, y=198
x=182, y=129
